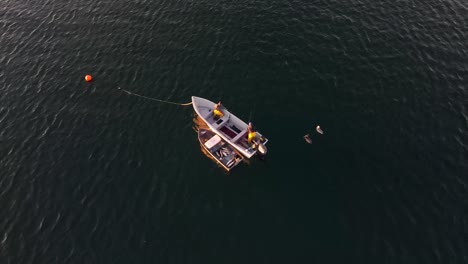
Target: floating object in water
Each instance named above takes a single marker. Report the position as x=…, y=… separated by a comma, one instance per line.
x=88, y=78
x=229, y=127
x=307, y=139
x=319, y=130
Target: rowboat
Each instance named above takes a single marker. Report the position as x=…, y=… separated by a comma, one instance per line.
x=229, y=127
x=222, y=152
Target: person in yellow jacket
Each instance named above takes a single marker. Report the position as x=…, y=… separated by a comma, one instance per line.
x=217, y=111
x=252, y=134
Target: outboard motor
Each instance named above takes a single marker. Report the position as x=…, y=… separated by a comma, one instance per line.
x=261, y=150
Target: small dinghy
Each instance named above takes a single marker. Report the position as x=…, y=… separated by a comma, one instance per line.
x=220, y=150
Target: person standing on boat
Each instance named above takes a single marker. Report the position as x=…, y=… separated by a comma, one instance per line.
x=217, y=110
x=251, y=133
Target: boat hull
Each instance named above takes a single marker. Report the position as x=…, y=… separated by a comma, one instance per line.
x=229, y=127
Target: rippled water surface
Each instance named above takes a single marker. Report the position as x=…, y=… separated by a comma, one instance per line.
x=89, y=174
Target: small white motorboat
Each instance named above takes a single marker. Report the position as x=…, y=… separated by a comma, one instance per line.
x=222, y=152
x=229, y=127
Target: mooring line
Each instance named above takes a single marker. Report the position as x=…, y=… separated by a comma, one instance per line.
x=152, y=99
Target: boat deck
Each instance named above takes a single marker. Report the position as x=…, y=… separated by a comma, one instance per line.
x=219, y=149
x=229, y=130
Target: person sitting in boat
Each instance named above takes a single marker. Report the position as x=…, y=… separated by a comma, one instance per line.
x=217, y=112
x=251, y=133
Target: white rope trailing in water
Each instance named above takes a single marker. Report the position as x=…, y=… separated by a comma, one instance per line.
x=152, y=99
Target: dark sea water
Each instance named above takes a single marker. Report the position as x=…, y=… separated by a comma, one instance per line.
x=89, y=174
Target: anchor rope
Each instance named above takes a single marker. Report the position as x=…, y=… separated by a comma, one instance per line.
x=152, y=99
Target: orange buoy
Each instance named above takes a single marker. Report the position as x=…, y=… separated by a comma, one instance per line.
x=88, y=78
